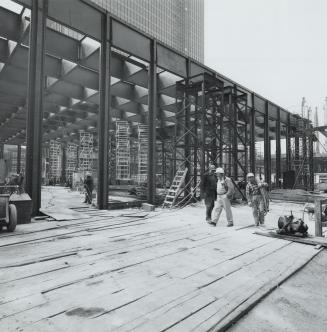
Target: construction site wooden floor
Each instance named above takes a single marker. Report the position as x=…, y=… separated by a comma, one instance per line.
x=128, y=271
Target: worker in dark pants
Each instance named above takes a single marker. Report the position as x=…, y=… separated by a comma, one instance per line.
x=209, y=190
x=88, y=186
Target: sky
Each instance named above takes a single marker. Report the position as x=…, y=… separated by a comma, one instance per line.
x=277, y=48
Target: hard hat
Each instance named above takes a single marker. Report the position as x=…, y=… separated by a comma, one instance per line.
x=250, y=175
x=220, y=170
x=212, y=167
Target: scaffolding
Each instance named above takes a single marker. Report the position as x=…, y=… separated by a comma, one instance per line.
x=55, y=161
x=123, y=157
x=71, y=161
x=143, y=144
x=211, y=127
x=85, y=155
x=300, y=151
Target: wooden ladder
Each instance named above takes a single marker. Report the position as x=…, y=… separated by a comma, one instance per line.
x=175, y=188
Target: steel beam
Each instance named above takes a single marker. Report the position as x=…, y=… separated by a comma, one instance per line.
x=104, y=113
x=278, y=148
x=153, y=105
x=35, y=102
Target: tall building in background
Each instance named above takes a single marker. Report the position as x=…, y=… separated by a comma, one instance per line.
x=177, y=23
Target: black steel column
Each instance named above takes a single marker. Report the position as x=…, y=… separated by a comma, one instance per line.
x=252, y=136
x=267, y=159
x=35, y=102
x=234, y=132
x=311, y=166
x=104, y=112
x=305, y=171
x=203, y=130
x=278, y=149
x=187, y=135
x=19, y=158
x=63, y=164
x=153, y=91
x=288, y=143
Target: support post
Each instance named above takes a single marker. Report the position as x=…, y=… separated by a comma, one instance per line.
x=35, y=102
x=278, y=149
x=288, y=143
x=318, y=212
x=153, y=91
x=234, y=132
x=63, y=164
x=104, y=114
x=203, y=136
x=267, y=146
x=19, y=158
x=311, y=165
x=187, y=135
x=252, y=136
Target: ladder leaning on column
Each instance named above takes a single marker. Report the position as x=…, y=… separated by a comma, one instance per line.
x=175, y=188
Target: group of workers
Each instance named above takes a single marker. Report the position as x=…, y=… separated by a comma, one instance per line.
x=217, y=190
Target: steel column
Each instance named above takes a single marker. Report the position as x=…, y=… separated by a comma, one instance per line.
x=63, y=164
x=153, y=100
x=35, y=102
x=278, y=149
x=252, y=136
x=311, y=165
x=187, y=135
x=234, y=132
x=267, y=160
x=203, y=136
x=104, y=112
x=304, y=157
x=19, y=158
x=288, y=143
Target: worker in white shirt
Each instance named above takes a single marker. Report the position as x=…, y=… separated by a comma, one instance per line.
x=225, y=191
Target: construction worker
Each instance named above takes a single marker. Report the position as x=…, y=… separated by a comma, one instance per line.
x=209, y=190
x=256, y=199
x=225, y=191
x=88, y=186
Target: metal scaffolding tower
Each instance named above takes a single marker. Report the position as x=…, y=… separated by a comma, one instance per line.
x=71, y=160
x=143, y=145
x=123, y=158
x=85, y=156
x=211, y=127
x=55, y=160
x=300, y=156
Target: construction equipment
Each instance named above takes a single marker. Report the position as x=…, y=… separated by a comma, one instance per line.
x=175, y=188
x=8, y=213
x=288, y=226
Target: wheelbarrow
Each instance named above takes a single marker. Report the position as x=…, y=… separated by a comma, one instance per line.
x=8, y=213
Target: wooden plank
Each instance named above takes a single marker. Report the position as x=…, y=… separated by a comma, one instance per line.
x=311, y=240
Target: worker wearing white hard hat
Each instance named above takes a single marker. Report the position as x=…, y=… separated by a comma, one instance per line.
x=225, y=191
x=256, y=200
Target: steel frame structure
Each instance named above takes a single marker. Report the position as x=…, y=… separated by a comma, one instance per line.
x=123, y=151
x=55, y=161
x=71, y=161
x=153, y=59
x=85, y=152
